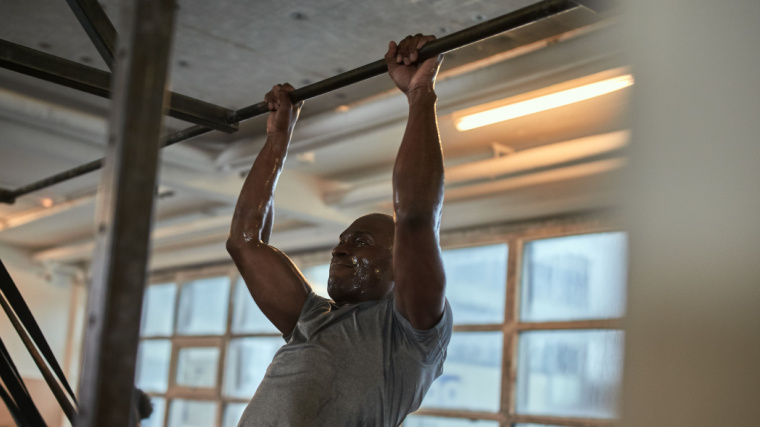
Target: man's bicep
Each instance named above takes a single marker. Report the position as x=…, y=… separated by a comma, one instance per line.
x=419, y=278
x=275, y=283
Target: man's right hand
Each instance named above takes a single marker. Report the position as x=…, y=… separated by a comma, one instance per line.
x=283, y=114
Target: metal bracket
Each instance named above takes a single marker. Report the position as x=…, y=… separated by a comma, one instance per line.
x=7, y=196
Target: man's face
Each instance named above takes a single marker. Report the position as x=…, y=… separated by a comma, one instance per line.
x=362, y=263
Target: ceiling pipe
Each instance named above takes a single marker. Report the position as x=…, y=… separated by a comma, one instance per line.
x=522, y=161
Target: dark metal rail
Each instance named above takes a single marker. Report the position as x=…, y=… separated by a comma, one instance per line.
x=124, y=215
x=98, y=27
x=97, y=82
x=445, y=44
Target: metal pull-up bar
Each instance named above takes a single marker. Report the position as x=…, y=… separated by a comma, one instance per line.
x=445, y=44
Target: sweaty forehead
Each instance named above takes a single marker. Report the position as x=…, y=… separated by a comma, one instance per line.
x=378, y=226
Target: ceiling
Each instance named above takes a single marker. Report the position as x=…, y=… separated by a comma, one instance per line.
x=230, y=52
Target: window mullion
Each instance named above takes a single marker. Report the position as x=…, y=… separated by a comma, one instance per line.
x=511, y=309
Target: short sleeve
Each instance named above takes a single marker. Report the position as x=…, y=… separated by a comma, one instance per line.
x=314, y=306
x=428, y=346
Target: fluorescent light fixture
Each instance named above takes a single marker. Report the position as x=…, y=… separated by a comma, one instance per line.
x=542, y=103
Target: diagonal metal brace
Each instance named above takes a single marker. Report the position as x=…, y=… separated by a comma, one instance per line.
x=96, y=24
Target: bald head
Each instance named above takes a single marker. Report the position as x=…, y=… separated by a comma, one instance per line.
x=380, y=222
x=362, y=263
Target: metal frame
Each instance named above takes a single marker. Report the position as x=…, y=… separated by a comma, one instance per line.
x=207, y=116
x=99, y=28
x=514, y=235
x=96, y=82
x=125, y=212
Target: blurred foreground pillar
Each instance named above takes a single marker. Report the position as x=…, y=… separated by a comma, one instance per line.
x=692, y=205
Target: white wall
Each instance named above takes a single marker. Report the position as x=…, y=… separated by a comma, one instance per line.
x=692, y=205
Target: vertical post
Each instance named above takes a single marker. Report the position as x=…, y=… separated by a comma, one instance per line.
x=125, y=210
x=691, y=204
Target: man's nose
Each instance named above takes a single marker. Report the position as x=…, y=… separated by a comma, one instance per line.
x=339, y=251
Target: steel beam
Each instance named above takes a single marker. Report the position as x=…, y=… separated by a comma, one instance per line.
x=98, y=27
x=97, y=82
x=125, y=211
x=451, y=42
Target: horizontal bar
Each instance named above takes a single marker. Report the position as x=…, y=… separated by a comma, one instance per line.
x=445, y=44
x=455, y=413
x=562, y=421
x=491, y=327
x=208, y=337
x=98, y=27
x=453, y=41
x=544, y=326
x=572, y=324
x=97, y=82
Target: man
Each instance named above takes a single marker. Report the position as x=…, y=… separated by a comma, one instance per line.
x=368, y=356
x=142, y=408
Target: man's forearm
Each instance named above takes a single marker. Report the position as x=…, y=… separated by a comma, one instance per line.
x=418, y=172
x=254, y=212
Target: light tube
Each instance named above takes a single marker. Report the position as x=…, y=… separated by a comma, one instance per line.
x=543, y=103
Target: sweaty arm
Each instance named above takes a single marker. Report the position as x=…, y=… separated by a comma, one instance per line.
x=419, y=280
x=275, y=283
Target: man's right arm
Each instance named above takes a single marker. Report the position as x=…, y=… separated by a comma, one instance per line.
x=275, y=283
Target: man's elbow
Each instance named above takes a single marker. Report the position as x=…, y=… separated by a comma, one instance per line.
x=236, y=246
x=233, y=247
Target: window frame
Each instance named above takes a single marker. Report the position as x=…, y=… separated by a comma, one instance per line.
x=514, y=235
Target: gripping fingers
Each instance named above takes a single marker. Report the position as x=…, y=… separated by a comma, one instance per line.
x=285, y=91
x=271, y=98
x=279, y=95
x=408, y=50
x=414, y=45
x=404, y=51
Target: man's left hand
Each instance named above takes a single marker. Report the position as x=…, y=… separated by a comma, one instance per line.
x=404, y=68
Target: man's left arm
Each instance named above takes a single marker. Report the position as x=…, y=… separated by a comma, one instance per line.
x=417, y=189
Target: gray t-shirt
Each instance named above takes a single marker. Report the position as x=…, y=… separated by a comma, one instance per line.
x=358, y=365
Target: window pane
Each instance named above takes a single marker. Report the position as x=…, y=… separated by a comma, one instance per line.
x=317, y=278
x=158, y=310
x=247, y=362
x=232, y=414
x=476, y=283
x=420, y=421
x=246, y=316
x=196, y=367
x=576, y=277
x=192, y=413
x=569, y=373
x=156, y=418
x=471, y=378
x=203, y=307
x=152, y=372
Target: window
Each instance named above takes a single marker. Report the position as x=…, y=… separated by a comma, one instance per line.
x=204, y=348
x=536, y=339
